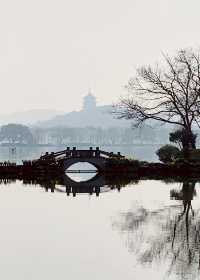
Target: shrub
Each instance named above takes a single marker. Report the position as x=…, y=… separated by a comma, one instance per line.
x=181, y=137
x=168, y=153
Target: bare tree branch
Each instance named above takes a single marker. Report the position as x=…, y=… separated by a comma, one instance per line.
x=168, y=95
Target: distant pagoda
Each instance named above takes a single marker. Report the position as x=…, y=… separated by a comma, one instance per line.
x=89, y=102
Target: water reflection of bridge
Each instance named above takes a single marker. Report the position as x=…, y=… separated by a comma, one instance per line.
x=95, y=185
x=64, y=184
x=96, y=181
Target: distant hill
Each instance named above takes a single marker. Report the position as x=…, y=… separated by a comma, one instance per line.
x=29, y=117
x=99, y=116
x=91, y=115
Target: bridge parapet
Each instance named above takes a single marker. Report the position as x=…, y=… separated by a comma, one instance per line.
x=69, y=156
x=74, y=152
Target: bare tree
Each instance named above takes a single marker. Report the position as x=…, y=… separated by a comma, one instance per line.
x=168, y=95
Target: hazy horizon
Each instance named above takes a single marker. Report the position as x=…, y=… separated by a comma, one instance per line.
x=52, y=52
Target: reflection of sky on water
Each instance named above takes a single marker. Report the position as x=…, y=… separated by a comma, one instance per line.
x=118, y=235
x=79, y=177
x=165, y=234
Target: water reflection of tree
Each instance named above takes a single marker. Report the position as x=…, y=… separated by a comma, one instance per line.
x=170, y=235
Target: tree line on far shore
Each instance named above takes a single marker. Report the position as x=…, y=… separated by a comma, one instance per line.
x=20, y=134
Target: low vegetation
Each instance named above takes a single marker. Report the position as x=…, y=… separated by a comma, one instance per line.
x=168, y=153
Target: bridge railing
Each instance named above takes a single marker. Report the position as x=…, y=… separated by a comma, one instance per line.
x=69, y=153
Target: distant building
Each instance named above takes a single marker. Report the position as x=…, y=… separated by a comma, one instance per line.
x=89, y=102
x=91, y=115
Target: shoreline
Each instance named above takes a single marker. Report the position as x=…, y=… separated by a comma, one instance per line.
x=127, y=170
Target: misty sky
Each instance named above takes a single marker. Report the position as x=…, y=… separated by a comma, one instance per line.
x=51, y=52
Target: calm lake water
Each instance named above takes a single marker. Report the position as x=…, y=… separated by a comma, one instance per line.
x=80, y=230
x=145, y=229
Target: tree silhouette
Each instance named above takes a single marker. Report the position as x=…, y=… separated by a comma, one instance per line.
x=168, y=95
x=16, y=133
x=179, y=137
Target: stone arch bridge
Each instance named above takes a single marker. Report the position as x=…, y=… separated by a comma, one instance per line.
x=68, y=157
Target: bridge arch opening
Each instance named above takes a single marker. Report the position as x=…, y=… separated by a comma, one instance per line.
x=81, y=177
x=81, y=171
x=82, y=166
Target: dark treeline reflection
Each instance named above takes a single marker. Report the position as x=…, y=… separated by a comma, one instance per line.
x=64, y=184
x=170, y=235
